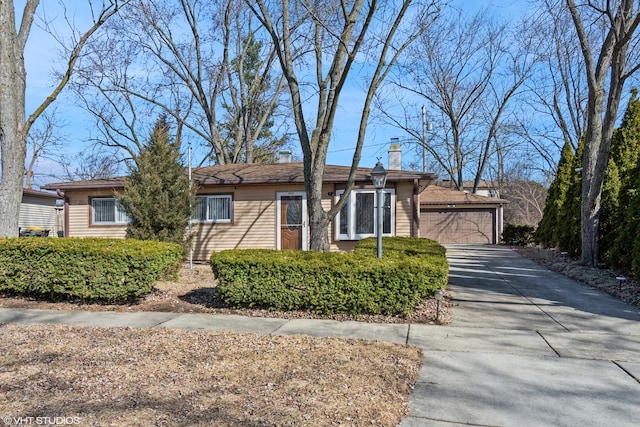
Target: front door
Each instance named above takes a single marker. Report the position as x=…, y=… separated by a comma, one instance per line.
x=292, y=214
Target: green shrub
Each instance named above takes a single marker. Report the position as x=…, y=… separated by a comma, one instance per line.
x=106, y=270
x=355, y=283
x=518, y=235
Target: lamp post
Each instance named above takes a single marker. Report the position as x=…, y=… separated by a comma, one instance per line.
x=438, y=295
x=379, y=178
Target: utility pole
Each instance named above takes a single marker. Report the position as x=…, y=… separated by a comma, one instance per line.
x=425, y=126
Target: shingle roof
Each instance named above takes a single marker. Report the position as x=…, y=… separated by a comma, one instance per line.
x=116, y=182
x=255, y=174
x=435, y=195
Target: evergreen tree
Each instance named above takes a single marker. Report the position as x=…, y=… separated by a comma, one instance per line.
x=157, y=195
x=567, y=227
x=611, y=211
x=625, y=147
x=625, y=253
x=250, y=106
x=630, y=260
x=548, y=229
x=625, y=150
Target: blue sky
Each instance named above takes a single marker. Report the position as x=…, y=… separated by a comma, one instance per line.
x=42, y=57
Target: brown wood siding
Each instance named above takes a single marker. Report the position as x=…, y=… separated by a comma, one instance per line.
x=253, y=225
x=80, y=217
x=458, y=225
x=254, y=221
x=404, y=209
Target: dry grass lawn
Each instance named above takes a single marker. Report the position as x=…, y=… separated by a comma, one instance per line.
x=125, y=376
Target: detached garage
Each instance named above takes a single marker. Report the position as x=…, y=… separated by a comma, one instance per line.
x=451, y=216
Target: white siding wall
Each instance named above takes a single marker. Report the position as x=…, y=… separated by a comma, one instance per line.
x=38, y=212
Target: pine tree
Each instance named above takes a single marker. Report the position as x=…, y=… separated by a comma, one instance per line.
x=567, y=227
x=625, y=253
x=625, y=150
x=611, y=209
x=625, y=147
x=157, y=194
x=548, y=228
x=247, y=125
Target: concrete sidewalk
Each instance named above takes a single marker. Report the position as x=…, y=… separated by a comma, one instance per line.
x=527, y=347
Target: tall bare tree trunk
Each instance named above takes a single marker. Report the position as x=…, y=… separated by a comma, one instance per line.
x=13, y=126
x=12, y=117
x=318, y=219
x=606, y=64
x=306, y=32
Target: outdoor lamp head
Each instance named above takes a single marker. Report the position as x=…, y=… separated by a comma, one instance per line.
x=438, y=294
x=379, y=176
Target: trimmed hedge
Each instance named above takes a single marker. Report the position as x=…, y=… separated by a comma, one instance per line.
x=90, y=269
x=355, y=283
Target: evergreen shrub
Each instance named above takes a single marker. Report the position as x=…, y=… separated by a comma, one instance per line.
x=517, y=235
x=325, y=282
x=89, y=269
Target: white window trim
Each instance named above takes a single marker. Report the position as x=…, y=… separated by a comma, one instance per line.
x=351, y=233
x=117, y=208
x=216, y=221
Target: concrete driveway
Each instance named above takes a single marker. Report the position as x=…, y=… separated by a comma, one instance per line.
x=526, y=347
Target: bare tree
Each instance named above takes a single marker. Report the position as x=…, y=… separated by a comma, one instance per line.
x=467, y=72
x=555, y=111
x=14, y=125
x=609, y=41
x=342, y=32
x=89, y=165
x=44, y=141
x=526, y=196
x=198, y=62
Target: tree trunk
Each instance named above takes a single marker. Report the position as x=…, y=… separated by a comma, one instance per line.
x=12, y=119
x=608, y=67
x=318, y=218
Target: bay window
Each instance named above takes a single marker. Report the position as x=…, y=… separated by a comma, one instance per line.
x=357, y=219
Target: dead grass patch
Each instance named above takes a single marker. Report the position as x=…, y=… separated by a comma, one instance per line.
x=128, y=376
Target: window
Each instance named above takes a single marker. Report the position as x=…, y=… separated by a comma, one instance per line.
x=107, y=210
x=357, y=219
x=213, y=208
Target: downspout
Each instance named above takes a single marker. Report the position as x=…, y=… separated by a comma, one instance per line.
x=415, y=223
x=500, y=223
x=66, y=211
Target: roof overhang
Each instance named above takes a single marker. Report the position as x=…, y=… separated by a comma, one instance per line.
x=258, y=174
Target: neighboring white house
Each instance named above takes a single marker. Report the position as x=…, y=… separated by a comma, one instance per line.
x=39, y=211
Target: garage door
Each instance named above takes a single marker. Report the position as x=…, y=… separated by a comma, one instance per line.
x=458, y=226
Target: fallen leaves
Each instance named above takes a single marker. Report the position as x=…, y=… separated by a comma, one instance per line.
x=128, y=376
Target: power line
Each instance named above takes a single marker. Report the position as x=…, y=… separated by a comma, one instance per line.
x=351, y=149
